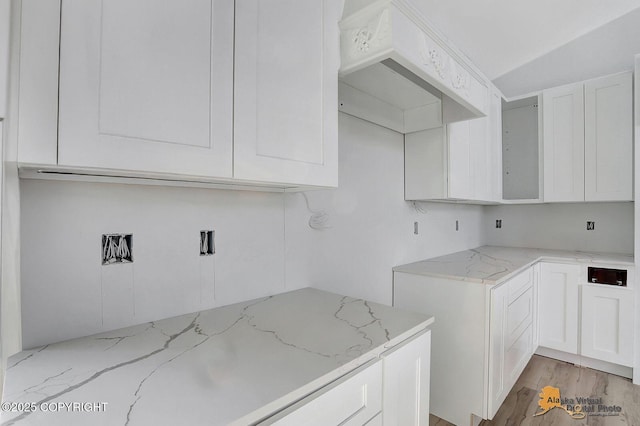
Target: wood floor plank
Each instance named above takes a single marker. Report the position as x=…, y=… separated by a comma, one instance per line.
x=521, y=404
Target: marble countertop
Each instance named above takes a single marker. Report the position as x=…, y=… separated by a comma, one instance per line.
x=230, y=365
x=492, y=265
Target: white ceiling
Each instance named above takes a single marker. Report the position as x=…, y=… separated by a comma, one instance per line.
x=502, y=35
x=606, y=50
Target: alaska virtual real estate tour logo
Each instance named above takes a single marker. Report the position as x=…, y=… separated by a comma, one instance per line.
x=577, y=408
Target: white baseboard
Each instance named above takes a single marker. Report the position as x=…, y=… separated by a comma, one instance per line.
x=583, y=361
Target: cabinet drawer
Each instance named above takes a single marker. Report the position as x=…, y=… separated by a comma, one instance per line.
x=517, y=356
x=519, y=315
x=351, y=400
x=519, y=284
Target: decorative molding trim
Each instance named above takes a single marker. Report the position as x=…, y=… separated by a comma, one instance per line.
x=434, y=57
x=370, y=36
x=460, y=79
x=428, y=28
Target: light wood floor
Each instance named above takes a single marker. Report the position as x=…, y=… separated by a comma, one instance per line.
x=522, y=402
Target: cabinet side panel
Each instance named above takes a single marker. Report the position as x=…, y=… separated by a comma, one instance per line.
x=458, y=341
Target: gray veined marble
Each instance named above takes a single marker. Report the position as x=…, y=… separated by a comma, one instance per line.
x=230, y=365
x=491, y=264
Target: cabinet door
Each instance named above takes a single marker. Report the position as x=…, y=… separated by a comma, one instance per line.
x=286, y=91
x=609, y=138
x=147, y=86
x=607, y=324
x=406, y=375
x=474, y=161
x=563, y=130
x=461, y=163
x=558, y=306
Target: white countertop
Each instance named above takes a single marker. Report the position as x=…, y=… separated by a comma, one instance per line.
x=491, y=265
x=230, y=365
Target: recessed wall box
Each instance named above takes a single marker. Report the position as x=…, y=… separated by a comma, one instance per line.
x=608, y=276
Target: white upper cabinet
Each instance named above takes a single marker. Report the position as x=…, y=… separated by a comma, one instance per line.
x=608, y=138
x=458, y=161
x=521, y=150
x=462, y=162
x=286, y=87
x=588, y=144
x=563, y=117
x=147, y=86
x=4, y=55
x=216, y=91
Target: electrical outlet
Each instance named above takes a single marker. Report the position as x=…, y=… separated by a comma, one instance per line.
x=207, y=243
x=499, y=223
x=591, y=225
x=117, y=248
x=415, y=228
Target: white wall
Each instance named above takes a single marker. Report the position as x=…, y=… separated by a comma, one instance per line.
x=371, y=224
x=562, y=226
x=66, y=292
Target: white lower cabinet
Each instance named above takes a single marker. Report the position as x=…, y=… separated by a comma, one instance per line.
x=482, y=339
x=558, y=306
x=393, y=390
x=406, y=376
x=510, y=335
x=607, y=324
x=353, y=400
x=484, y=335
x=589, y=324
